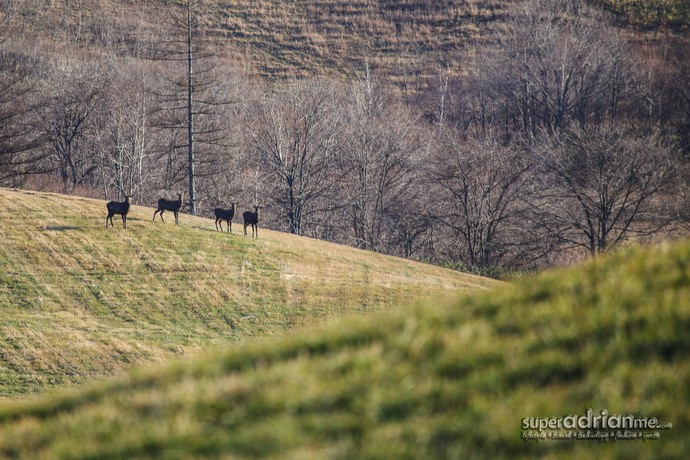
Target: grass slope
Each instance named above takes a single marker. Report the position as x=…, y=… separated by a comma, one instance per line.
x=288, y=38
x=78, y=301
x=404, y=41
x=449, y=381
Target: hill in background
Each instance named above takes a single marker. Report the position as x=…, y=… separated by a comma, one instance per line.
x=405, y=40
x=439, y=381
x=79, y=301
x=284, y=39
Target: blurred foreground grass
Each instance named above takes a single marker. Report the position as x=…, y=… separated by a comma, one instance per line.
x=435, y=381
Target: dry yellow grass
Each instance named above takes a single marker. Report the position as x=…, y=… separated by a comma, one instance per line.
x=80, y=301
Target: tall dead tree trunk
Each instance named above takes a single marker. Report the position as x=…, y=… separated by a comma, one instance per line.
x=190, y=110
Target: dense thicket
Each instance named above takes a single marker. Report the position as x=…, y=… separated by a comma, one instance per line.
x=560, y=139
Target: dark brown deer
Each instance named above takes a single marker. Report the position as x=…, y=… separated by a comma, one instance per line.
x=169, y=205
x=118, y=207
x=225, y=215
x=252, y=218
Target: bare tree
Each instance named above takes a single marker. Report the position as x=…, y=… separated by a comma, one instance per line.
x=559, y=64
x=599, y=188
x=75, y=94
x=379, y=143
x=190, y=99
x=227, y=176
x=411, y=219
x=18, y=134
x=293, y=134
x=480, y=186
x=124, y=141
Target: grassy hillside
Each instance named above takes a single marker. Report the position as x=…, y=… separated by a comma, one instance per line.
x=288, y=38
x=450, y=381
x=402, y=39
x=79, y=301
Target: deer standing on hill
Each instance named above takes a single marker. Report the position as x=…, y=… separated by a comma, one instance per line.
x=252, y=218
x=224, y=215
x=169, y=205
x=118, y=207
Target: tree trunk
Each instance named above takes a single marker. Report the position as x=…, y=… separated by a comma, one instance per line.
x=190, y=113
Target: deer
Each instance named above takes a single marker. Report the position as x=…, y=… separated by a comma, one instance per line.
x=225, y=215
x=252, y=218
x=118, y=207
x=169, y=205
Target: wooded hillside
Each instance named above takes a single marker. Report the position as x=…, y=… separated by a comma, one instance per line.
x=482, y=135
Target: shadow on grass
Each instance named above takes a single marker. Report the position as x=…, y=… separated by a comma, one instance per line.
x=208, y=228
x=61, y=228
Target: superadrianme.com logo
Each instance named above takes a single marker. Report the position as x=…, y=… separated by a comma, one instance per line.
x=603, y=427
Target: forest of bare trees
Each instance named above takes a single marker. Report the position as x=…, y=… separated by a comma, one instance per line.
x=560, y=141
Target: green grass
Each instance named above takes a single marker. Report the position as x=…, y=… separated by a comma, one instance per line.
x=80, y=302
x=440, y=380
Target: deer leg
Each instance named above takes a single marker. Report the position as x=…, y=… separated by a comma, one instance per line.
x=229, y=226
x=176, y=223
x=124, y=221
